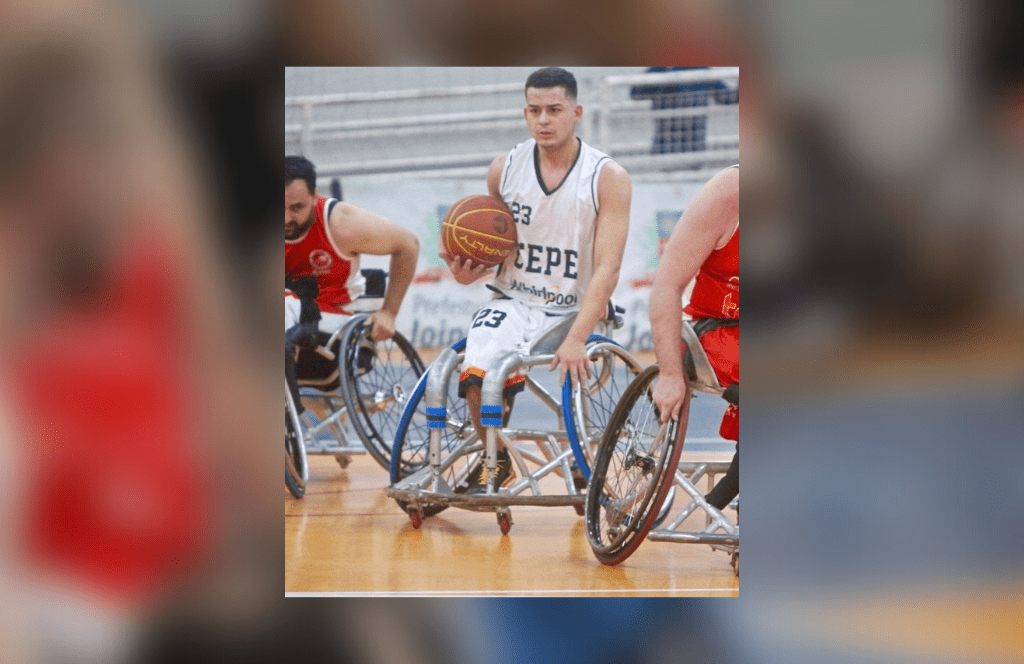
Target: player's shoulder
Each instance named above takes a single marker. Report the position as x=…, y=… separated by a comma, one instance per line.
x=522, y=151
x=348, y=221
x=725, y=183
x=499, y=161
x=613, y=169
x=340, y=211
x=601, y=162
x=731, y=174
x=611, y=173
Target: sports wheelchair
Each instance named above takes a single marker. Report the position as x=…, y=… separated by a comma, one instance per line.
x=437, y=448
x=353, y=391
x=637, y=468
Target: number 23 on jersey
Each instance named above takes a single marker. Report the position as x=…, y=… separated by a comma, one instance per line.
x=521, y=213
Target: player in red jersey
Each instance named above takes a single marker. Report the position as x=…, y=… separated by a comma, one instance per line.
x=704, y=246
x=323, y=241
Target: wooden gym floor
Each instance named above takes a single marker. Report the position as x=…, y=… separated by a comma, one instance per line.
x=347, y=537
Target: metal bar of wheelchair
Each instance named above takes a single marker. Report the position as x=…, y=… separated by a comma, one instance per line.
x=541, y=439
x=559, y=461
x=697, y=500
x=427, y=474
x=332, y=426
x=694, y=538
x=437, y=390
x=438, y=380
x=332, y=419
x=492, y=405
x=546, y=398
x=529, y=479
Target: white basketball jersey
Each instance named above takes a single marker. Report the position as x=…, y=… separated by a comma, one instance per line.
x=555, y=228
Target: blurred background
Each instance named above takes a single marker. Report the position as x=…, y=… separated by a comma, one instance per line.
x=883, y=338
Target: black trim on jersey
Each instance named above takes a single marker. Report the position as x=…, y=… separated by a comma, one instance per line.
x=536, y=167
x=593, y=185
x=328, y=206
x=503, y=296
x=508, y=164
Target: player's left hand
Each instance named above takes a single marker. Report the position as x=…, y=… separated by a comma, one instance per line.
x=383, y=325
x=571, y=358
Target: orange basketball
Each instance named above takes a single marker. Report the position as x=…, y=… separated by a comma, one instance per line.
x=479, y=228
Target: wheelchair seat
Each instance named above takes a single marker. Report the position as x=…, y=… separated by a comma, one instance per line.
x=549, y=340
x=695, y=361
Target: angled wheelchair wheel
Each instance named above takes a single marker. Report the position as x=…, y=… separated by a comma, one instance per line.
x=377, y=380
x=294, y=459
x=587, y=412
x=633, y=472
x=410, y=451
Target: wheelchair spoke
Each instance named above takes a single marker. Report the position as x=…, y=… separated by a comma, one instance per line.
x=613, y=370
x=378, y=387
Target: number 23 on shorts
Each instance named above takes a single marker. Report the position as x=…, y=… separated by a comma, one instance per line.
x=495, y=318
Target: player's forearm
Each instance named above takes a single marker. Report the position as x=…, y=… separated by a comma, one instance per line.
x=401, y=271
x=666, y=328
x=595, y=303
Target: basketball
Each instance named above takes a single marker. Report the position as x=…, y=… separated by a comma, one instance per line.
x=479, y=228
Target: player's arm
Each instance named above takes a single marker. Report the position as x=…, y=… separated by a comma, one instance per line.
x=465, y=271
x=614, y=193
x=707, y=224
x=360, y=231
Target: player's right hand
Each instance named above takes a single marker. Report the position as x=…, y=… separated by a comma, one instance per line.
x=465, y=271
x=668, y=396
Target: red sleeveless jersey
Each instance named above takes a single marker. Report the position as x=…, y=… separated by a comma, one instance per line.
x=716, y=294
x=316, y=253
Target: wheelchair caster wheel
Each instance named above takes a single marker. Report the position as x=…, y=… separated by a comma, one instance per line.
x=416, y=518
x=736, y=563
x=581, y=510
x=504, y=523
x=343, y=460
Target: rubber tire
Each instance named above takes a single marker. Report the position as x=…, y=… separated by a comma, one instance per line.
x=664, y=472
x=375, y=430
x=294, y=482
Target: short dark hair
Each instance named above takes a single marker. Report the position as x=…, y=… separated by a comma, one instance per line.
x=551, y=77
x=300, y=168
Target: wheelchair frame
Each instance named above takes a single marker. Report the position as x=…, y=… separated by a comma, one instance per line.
x=426, y=490
x=720, y=532
x=332, y=430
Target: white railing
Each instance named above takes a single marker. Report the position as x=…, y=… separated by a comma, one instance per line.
x=608, y=109
x=364, y=133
